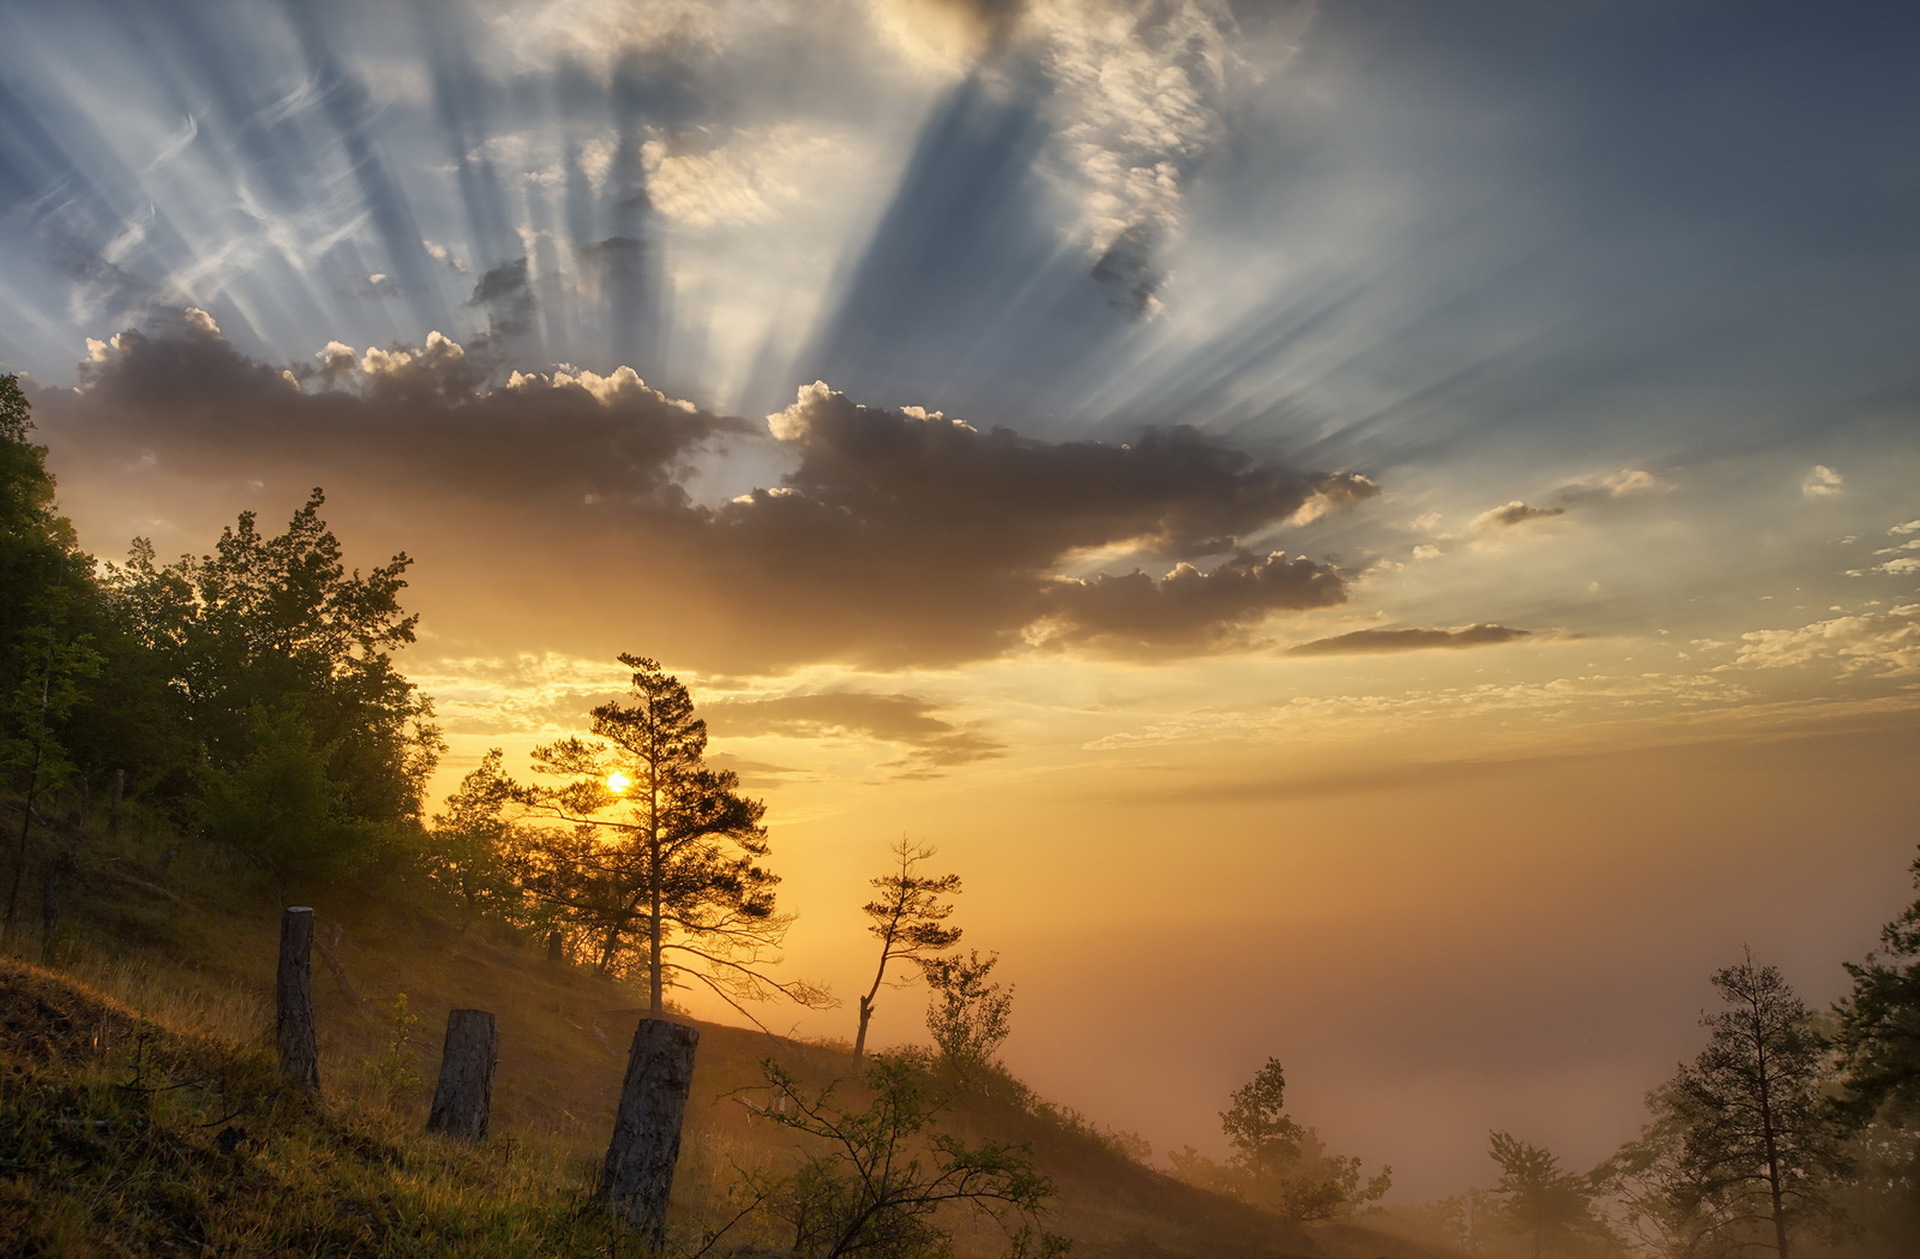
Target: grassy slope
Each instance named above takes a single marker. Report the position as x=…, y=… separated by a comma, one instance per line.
x=139, y=1112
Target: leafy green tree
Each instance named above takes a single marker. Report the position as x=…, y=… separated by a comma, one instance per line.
x=968, y=1015
x=278, y=804
x=1277, y=1164
x=879, y=1176
x=279, y=625
x=1757, y=1141
x=909, y=919
x=654, y=852
x=1552, y=1208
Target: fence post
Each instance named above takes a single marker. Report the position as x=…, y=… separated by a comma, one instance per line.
x=638, y=1177
x=464, y=1095
x=293, y=1005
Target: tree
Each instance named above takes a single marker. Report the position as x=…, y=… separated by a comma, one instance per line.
x=907, y=919
x=968, y=1015
x=1656, y=1198
x=643, y=839
x=280, y=626
x=1879, y=1034
x=882, y=1173
x=1757, y=1145
x=1277, y=1164
x=470, y=850
x=1551, y=1207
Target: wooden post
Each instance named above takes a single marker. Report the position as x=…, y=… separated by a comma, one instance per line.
x=465, y=1093
x=646, y=1131
x=293, y=1021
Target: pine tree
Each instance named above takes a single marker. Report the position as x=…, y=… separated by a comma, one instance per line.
x=908, y=918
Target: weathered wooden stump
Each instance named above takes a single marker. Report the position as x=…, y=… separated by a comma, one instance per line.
x=293, y=1006
x=646, y=1131
x=464, y=1095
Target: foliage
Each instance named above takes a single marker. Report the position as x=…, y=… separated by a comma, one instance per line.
x=1277, y=1164
x=471, y=849
x=1742, y=1151
x=275, y=634
x=908, y=920
x=644, y=840
x=1879, y=1033
x=279, y=805
x=1553, y=1208
x=967, y=1015
x=884, y=1173
x=395, y=1071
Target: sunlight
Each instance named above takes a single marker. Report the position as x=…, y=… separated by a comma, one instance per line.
x=618, y=783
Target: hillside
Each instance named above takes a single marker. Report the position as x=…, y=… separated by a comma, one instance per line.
x=141, y=1113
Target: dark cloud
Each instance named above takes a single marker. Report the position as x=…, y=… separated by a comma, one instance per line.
x=1127, y=268
x=1513, y=513
x=506, y=293
x=556, y=507
x=419, y=419
x=934, y=743
x=1188, y=608
x=1366, y=642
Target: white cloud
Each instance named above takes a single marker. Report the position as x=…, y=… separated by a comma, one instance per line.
x=1822, y=482
x=1881, y=644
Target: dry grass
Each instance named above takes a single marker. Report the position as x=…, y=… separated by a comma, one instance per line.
x=160, y=1127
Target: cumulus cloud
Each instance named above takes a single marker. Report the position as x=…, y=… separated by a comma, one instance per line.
x=1513, y=513
x=416, y=417
x=1878, y=644
x=1822, y=482
x=934, y=744
x=898, y=537
x=1369, y=641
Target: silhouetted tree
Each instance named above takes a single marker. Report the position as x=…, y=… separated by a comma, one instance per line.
x=1277, y=1164
x=968, y=1015
x=1757, y=1144
x=908, y=918
x=1879, y=1035
x=1656, y=1198
x=645, y=840
x=1551, y=1207
x=472, y=847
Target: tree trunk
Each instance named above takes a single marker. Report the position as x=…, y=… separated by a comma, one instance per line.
x=860, y=1037
x=293, y=1021
x=556, y=946
x=646, y=1131
x=465, y=1094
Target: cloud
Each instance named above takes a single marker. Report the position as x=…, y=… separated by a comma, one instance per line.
x=1822, y=482
x=1186, y=609
x=1912, y=526
x=934, y=744
x=505, y=292
x=1369, y=641
x=1878, y=644
x=898, y=537
x=1513, y=513
x=419, y=418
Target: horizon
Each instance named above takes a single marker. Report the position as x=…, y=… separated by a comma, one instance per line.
x=1371, y=536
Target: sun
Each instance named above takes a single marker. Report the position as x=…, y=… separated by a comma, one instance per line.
x=618, y=782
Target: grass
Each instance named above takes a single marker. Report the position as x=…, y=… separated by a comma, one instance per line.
x=140, y=1111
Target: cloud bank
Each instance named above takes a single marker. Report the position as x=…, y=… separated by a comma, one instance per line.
x=897, y=538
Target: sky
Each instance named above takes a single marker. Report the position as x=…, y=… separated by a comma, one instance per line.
x=1379, y=534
